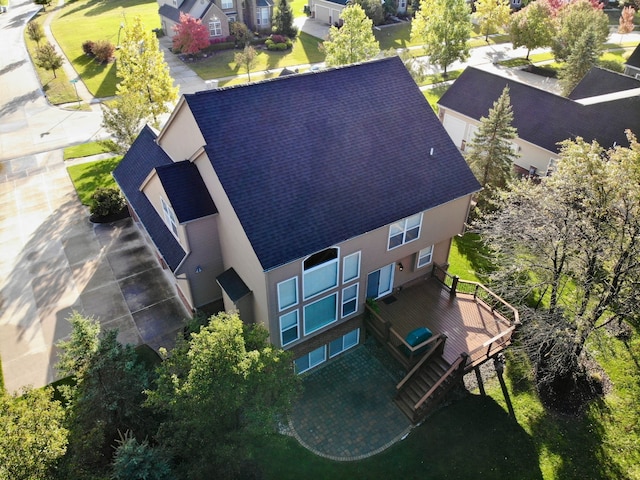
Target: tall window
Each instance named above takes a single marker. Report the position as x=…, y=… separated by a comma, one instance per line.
x=425, y=256
x=263, y=17
x=227, y=4
x=287, y=293
x=289, y=328
x=215, y=28
x=404, y=231
x=350, y=300
x=320, y=272
x=169, y=217
x=351, y=267
x=320, y=313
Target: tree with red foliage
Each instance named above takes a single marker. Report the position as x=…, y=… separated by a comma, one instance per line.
x=626, y=20
x=191, y=35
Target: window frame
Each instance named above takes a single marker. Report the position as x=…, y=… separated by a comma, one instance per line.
x=421, y=255
x=355, y=298
x=343, y=349
x=297, y=297
x=215, y=27
x=404, y=231
x=334, y=262
x=308, y=355
x=229, y=4
x=305, y=331
x=344, y=269
x=170, y=219
x=260, y=16
x=296, y=326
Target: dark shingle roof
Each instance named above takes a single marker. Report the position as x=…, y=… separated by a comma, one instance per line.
x=186, y=190
x=541, y=117
x=599, y=81
x=314, y=159
x=634, y=58
x=233, y=285
x=143, y=156
x=173, y=13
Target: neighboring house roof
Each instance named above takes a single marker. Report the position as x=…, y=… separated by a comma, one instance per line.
x=264, y=3
x=599, y=81
x=338, y=2
x=143, y=156
x=173, y=13
x=543, y=118
x=314, y=159
x=186, y=190
x=634, y=58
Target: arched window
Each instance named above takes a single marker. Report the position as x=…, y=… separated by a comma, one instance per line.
x=320, y=272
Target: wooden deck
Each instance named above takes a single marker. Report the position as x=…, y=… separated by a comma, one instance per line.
x=469, y=324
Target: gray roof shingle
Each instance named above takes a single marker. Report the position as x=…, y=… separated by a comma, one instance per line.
x=599, y=81
x=311, y=160
x=634, y=58
x=143, y=156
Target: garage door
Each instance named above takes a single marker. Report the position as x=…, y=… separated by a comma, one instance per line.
x=455, y=128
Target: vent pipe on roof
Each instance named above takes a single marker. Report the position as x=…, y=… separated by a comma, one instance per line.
x=431, y=152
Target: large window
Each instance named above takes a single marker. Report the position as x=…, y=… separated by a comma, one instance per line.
x=425, y=256
x=350, y=300
x=320, y=272
x=343, y=343
x=351, y=267
x=287, y=293
x=320, y=313
x=263, y=17
x=169, y=217
x=227, y=4
x=380, y=282
x=404, y=231
x=311, y=359
x=289, y=328
x=215, y=28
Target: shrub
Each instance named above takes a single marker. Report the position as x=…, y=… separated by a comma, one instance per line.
x=87, y=47
x=278, y=38
x=106, y=201
x=612, y=65
x=278, y=43
x=103, y=50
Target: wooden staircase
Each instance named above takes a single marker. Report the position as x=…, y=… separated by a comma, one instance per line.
x=426, y=385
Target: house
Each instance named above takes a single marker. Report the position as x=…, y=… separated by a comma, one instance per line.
x=297, y=198
x=329, y=11
x=632, y=66
x=217, y=14
x=601, y=107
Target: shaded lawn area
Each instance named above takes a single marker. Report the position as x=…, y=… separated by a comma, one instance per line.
x=87, y=177
x=96, y=20
x=221, y=64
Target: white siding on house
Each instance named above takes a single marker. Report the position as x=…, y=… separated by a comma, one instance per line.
x=455, y=128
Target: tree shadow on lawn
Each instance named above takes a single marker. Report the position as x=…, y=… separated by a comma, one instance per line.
x=470, y=246
x=98, y=7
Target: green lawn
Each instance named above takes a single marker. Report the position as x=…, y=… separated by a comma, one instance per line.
x=87, y=149
x=87, y=177
x=96, y=20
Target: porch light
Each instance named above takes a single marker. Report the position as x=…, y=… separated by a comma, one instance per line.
x=400, y=266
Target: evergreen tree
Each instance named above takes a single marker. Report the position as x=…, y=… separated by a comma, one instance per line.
x=490, y=153
x=282, y=23
x=532, y=27
x=443, y=28
x=352, y=43
x=584, y=56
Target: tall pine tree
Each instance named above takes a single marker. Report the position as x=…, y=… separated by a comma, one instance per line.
x=490, y=153
x=282, y=23
x=584, y=56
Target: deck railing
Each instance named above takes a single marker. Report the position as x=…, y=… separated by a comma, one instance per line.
x=488, y=348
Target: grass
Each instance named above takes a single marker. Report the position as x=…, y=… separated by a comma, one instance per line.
x=87, y=149
x=469, y=259
x=297, y=6
x=87, y=177
x=96, y=20
x=58, y=89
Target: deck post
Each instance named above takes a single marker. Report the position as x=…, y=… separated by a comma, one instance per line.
x=454, y=285
x=480, y=382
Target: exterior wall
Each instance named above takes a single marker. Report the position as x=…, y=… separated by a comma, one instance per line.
x=438, y=226
x=462, y=128
x=181, y=137
x=154, y=193
x=205, y=254
x=326, y=12
x=215, y=12
x=632, y=71
x=234, y=245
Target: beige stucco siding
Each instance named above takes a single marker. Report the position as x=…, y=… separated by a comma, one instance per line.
x=234, y=244
x=181, y=136
x=155, y=193
x=205, y=254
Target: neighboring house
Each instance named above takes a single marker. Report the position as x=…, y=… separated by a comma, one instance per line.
x=328, y=11
x=297, y=198
x=217, y=15
x=632, y=66
x=601, y=107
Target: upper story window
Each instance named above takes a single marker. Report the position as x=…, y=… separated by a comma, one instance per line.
x=169, y=217
x=215, y=28
x=350, y=267
x=227, y=4
x=287, y=293
x=289, y=328
x=320, y=272
x=404, y=231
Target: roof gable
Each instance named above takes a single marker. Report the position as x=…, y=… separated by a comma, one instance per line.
x=599, y=81
x=143, y=156
x=186, y=190
x=314, y=159
x=634, y=58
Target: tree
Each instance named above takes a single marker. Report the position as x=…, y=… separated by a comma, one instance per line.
x=83, y=342
x=246, y=59
x=532, y=26
x=490, y=153
x=571, y=243
x=492, y=15
x=44, y=3
x=48, y=58
x=240, y=33
x=584, y=56
x=626, y=20
x=35, y=32
x=142, y=69
x=134, y=460
x=191, y=35
x=282, y=23
x=373, y=9
x=223, y=384
x=353, y=42
x=123, y=118
x=571, y=21
x=443, y=28
x=33, y=436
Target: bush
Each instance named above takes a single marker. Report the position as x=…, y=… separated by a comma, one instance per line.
x=106, y=201
x=278, y=43
x=216, y=47
x=611, y=65
x=103, y=50
x=87, y=47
